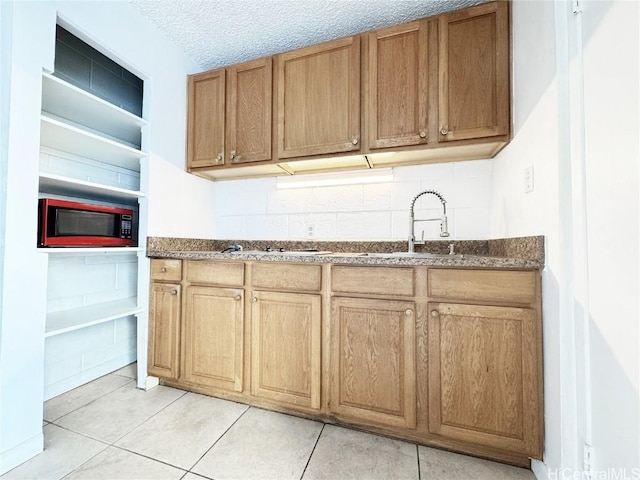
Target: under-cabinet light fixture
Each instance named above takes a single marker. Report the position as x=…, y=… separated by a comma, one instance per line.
x=377, y=175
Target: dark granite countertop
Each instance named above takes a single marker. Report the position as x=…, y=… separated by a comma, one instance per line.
x=509, y=253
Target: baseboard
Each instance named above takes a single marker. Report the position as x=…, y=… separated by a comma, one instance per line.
x=21, y=453
x=87, y=376
x=540, y=470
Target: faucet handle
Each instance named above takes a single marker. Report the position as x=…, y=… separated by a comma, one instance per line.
x=452, y=249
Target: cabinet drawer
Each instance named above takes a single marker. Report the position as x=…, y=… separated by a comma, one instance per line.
x=373, y=280
x=166, y=269
x=287, y=277
x=215, y=273
x=483, y=285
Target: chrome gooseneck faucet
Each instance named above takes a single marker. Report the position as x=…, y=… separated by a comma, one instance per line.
x=412, y=220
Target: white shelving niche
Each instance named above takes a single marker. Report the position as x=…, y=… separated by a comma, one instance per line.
x=91, y=151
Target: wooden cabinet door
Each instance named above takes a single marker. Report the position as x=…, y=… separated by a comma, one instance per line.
x=474, y=72
x=249, y=112
x=373, y=361
x=164, y=330
x=206, y=126
x=483, y=376
x=213, y=337
x=397, y=80
x=319, y=99
x=286, y=358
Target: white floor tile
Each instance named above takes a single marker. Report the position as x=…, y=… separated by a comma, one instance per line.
x=184, y=431
x=348, y=454
x=130, y=371
x=114, y=463
x=439, y=464
x=119, y=412
x=63, y=452
x=261, y=445
x=81, y=396
x=193, y=476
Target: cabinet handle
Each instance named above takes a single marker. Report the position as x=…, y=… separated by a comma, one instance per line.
x=163, y=269
x=233, y=155
x=238, y=297
x=174, y=292
x=435, y=313
x=444, y=130
x=408, y=312
x=254, y=299
x=219, y=157
x=354, y=140
x=423, y=134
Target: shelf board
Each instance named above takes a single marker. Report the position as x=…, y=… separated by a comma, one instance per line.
x=60, y=251
x=70, y=102
x=68, y=138
x=60, y=185
x=74, y=319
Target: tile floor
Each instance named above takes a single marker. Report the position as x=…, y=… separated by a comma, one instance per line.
x=108, y=429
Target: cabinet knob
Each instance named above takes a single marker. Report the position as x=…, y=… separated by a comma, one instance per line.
x=254, y=299
x=408, y=312
x=163, y=269
x=233, y=155
x=435, y=313
x=174, y=292
x=354, y=140
x=423, y=134
x=219, y=157
x=238, y=297
x=444, y=130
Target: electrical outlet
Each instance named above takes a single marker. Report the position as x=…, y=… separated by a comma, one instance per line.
x=528, y=179
x=311, y=230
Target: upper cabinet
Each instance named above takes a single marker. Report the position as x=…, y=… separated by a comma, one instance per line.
x=474, y=72
x=205, y=134
x=318, y=99
x=396, y=79
x=431, y=90
x=230, y=115
x=249, y=112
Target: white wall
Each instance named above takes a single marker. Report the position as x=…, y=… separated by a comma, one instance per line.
x=611, y=100
x=28, y=38
x=585, y=202
x=256, y=209
x=536, y=123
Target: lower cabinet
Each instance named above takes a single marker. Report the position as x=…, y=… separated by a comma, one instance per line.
x=213, y=337
x=442, y=356
x=164, y=330
x=373, y=361
x=483, y=376
x=285, y=351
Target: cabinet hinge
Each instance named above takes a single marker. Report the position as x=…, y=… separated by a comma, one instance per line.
x=577, y=6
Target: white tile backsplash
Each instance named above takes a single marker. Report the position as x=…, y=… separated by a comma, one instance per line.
x=364, y=225
x=343, y=198
x=266, y=227
x=256, y=209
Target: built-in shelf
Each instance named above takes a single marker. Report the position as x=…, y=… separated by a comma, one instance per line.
x=75, y=251
x=60, y=185
x=57, y=134
x=70, y=102
x=66, y=321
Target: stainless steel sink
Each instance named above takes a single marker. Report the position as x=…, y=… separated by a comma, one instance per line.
x=295, y=253
x=406, y=255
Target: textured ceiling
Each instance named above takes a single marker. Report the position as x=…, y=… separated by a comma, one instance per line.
x=215, y=33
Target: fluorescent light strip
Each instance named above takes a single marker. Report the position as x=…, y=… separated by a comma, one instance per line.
x=379, y=175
